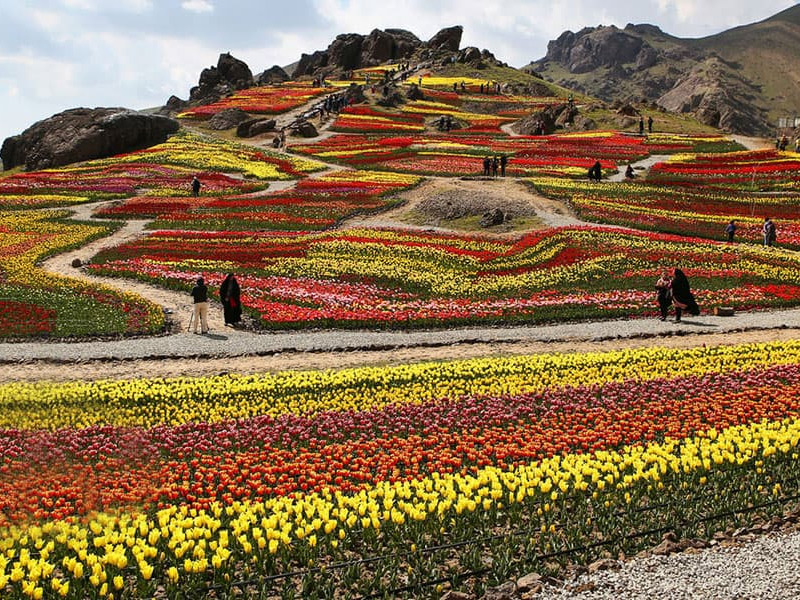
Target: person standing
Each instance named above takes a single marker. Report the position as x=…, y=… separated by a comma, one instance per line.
x=769, y=232
x=230, y=295
x=664, y=297
x=503, y=163
x=200, y=295
x=629, y=174
x=195, y=186
x=650, y=124
x=641, y=125
x=495, y=165
x=487, y=165
x=682, y=297
x=731, y=230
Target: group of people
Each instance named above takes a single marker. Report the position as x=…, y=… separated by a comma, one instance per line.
x=491, y=165
x=649, y=125
x=673, y=290
x=769, y=231
x=230, y=297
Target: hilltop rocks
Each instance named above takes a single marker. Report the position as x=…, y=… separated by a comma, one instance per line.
x=229, y=75
x=84, y=134
x=351, y=51
x=274, y=74
x=448, y=39
x=592, y=48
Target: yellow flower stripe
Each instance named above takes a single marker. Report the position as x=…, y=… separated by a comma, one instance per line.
x=149, y=402
x=180, y=542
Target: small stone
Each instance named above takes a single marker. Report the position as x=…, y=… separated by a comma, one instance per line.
x=77, y=262
x=604, y=564
x=527, y=582
x=584, y=587
x=503, y=591
x=452, y=595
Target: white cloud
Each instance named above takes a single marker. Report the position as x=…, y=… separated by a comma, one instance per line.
x=197, y=6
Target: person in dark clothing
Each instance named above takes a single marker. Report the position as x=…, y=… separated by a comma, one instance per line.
x=200, y=295
x=629, y=174
x=682, y=296
x=731, y=230
x=641, y=125
x=503, y=163
x=230, y=295
x=487, y=166
x=495, y=165
x=596, y=171
x=664, y=297
x=649, y=124
x=195, y=186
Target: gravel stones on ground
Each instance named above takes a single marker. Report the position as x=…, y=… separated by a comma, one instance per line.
x=764, y=568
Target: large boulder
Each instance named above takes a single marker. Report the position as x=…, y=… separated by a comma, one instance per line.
x=82, y=134
x=345, y=51
x=378, y=47
x=256, y=126
x=448, y=38
x=306, y=130
x=227, y=119
x=229, y=75
x=274, y=74
x=592, y=48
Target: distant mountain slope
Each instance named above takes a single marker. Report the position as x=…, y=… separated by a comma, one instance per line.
x=741, y=80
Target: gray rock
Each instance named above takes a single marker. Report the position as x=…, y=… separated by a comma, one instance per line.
x=82, y=134
x=274, y=74
x=448, y=38
x=253, y=127
x=306, y=130
x=492, y=217
x=230, y=74
x=228, y=119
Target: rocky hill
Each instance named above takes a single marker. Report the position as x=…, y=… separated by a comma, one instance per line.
x=741, y=80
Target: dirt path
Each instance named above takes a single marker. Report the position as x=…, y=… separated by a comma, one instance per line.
x=42, y=370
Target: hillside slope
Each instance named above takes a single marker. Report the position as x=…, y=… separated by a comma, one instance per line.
x=742, y=80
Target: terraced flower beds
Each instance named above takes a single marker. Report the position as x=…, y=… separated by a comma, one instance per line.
x=394, y=279
x=364, y=119
x=36, y=303
x=747, y=171
x=268, y=100
x=387, y=480
x=681, y=209
x=313, y=204
x=462, y=153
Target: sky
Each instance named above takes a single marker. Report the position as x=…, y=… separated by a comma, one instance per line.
x=60, y=54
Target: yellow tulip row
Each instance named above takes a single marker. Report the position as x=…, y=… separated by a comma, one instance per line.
x=150, y=402
x=178, y=542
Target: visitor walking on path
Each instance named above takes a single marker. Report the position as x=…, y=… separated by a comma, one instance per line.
x=230, y=295
x=503, y=163
x=200, y=295
x=731, y=230
x=682, y=296
x=595, y=171
x=664, y=298
x=769, y=232
x=195, y=186
x=649, y=124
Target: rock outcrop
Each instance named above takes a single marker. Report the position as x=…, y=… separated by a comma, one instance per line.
x=83, y=134
x=229, y=75
x=741, y=80
x=227, y=119
x=274, y=74
x=351, y=51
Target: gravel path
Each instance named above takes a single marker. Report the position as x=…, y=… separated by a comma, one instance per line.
x=229, y=342
x=764, y=568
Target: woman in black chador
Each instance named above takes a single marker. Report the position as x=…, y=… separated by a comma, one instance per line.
x=230, y=295
x=682, y=296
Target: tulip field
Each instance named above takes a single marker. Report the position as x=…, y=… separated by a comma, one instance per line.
x=411, y=478
x=401, y=480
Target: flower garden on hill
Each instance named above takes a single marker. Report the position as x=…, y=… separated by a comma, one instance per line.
x=391, y=481
x=393, y=278
x=386, y=479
